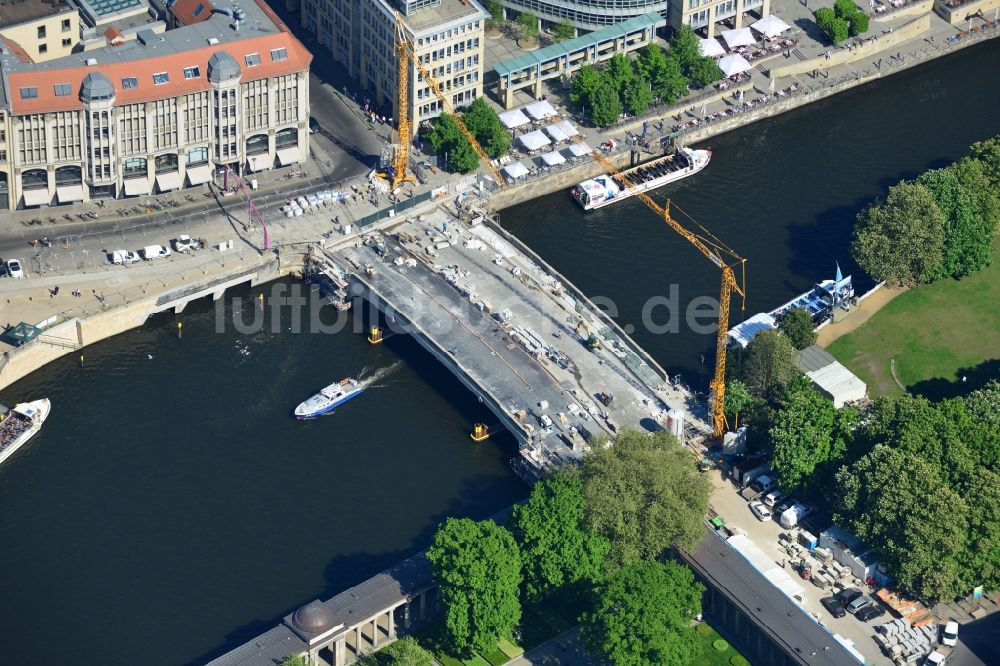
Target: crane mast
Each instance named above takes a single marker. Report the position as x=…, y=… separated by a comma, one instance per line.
x=714, y=251
x=401, y=156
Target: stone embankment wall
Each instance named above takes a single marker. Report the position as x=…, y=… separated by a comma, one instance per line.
x=72, y=335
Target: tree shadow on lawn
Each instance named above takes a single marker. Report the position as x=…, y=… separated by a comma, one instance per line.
x=966, y=380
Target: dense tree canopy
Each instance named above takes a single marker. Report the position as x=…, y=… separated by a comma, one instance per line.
x=557, y=548
x=482, y=120
x=901, y=240
x=966, y=198
x=798, y=325
x=605, y=105
x=698, y=69
x=923, y=490
x=477, y=566
x=736, y=400
x=987, y=153
x=445, y=138
x=802, y=434
x=403, y=652
x=767, y=365
x=644, y=494
x=528, y=24
x=496, y=14
x=643, y=616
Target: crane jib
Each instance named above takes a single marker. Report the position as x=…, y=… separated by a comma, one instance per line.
x=716, y=260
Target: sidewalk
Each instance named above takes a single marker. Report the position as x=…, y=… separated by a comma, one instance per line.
x=564, y=649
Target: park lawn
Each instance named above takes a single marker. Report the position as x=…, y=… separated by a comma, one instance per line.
x=936, y=333
x=709, y=656
x=496, y=657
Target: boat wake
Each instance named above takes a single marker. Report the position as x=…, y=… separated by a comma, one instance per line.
x=378, y=375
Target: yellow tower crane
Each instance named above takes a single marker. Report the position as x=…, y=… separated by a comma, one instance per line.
x=717, y=253
x=404, y=52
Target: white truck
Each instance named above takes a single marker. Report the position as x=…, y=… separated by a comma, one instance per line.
x=155, y=252
x=123, y=257
x=791, y=516
x=183, y=243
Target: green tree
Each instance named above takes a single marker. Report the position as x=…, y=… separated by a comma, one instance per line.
x=557, y=549
x=836, y=28
x=844, y=8
x=496, y=14
x=979, y=562
x=983, y=408
x=899, y=505
x=620, y=73
x=605, y=106
x=294, y=660
x=563, y=30
x=405, y=652
x=901, y=240
x=798, y=325
x=704, y=72
x=662, y=72
x=484, y=123
x=644, y=494
x=966, y=198
x=698, y=69
x=643, y=616
x=528, y=23
x=477, y=566
x=987, y=153
x=858, y=23
x=651, y=61
x=768, y=364
x=736, y=400
x=585, y=83
x=802, y=435
x=638, y=97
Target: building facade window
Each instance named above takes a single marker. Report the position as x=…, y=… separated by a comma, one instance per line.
x=192, y=73
x=62, y=89
x=35, y=179
x=286, y=137
x=69, y=175
x=165, y=163
x=41, y=32
x=66, y=26
x=133, y=167
x=29, y=92
x=257, y=144
x=130, y=82
x=160, y=78
x=252, y=59
x=278, y=55
x=196, y=156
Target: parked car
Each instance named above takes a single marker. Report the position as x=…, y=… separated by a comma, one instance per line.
x=859, y=603
x=155, y=252
x=774, y=497
x=833, y=606
x=935, y=658
x=848, y=594
x=313, y=126
x=949, y=635
x=762, y=512
x=14, y=269
x=869, y=613
x=184, y=242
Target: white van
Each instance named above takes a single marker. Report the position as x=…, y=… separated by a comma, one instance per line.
x=793, y=514
x=119, y=257
x=155, y=252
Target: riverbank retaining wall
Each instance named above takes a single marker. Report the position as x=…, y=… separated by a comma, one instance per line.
x=958, y=16
x=73, y=334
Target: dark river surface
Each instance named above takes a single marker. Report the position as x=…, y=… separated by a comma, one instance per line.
x=171, y=509
x=781, y=192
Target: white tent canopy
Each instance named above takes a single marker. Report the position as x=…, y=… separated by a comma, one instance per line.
x=534, y=140
x=515, y=170
x=567, y=127
x=556, y=133
x=515, y=118
x=553, y=158
x=739, y=37
x=770, y=26
x=540, y=109
x=710, y=48
x=734, y=64
x=579, y=149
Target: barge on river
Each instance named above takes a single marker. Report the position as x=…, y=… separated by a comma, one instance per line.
x=605, y=189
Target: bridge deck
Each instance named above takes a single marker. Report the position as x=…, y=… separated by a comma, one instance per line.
x=508, y=328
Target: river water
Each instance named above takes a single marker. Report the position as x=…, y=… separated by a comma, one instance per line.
x=171, y=509
x=782, y=192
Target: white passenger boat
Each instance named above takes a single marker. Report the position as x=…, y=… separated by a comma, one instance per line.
x=20, y=424
x=605, y=189
x=329, y=398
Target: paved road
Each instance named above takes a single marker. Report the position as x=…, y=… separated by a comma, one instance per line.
x=563, y=649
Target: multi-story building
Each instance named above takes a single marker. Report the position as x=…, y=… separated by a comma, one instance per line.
x=229, y=87
x=447, y=37
x=596, y=14
x=45, y=29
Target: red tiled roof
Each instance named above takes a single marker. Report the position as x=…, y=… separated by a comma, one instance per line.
x=114, y=36
x=173, y=64
x=184, y=10
x=16, y=49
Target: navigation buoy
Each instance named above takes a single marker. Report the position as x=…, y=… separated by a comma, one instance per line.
x=375, y=335
x=180, y=326
x=480, y=432
x=81, y=360
x=260, y=300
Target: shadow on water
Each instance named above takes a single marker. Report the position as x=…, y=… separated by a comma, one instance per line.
x=964, y=382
